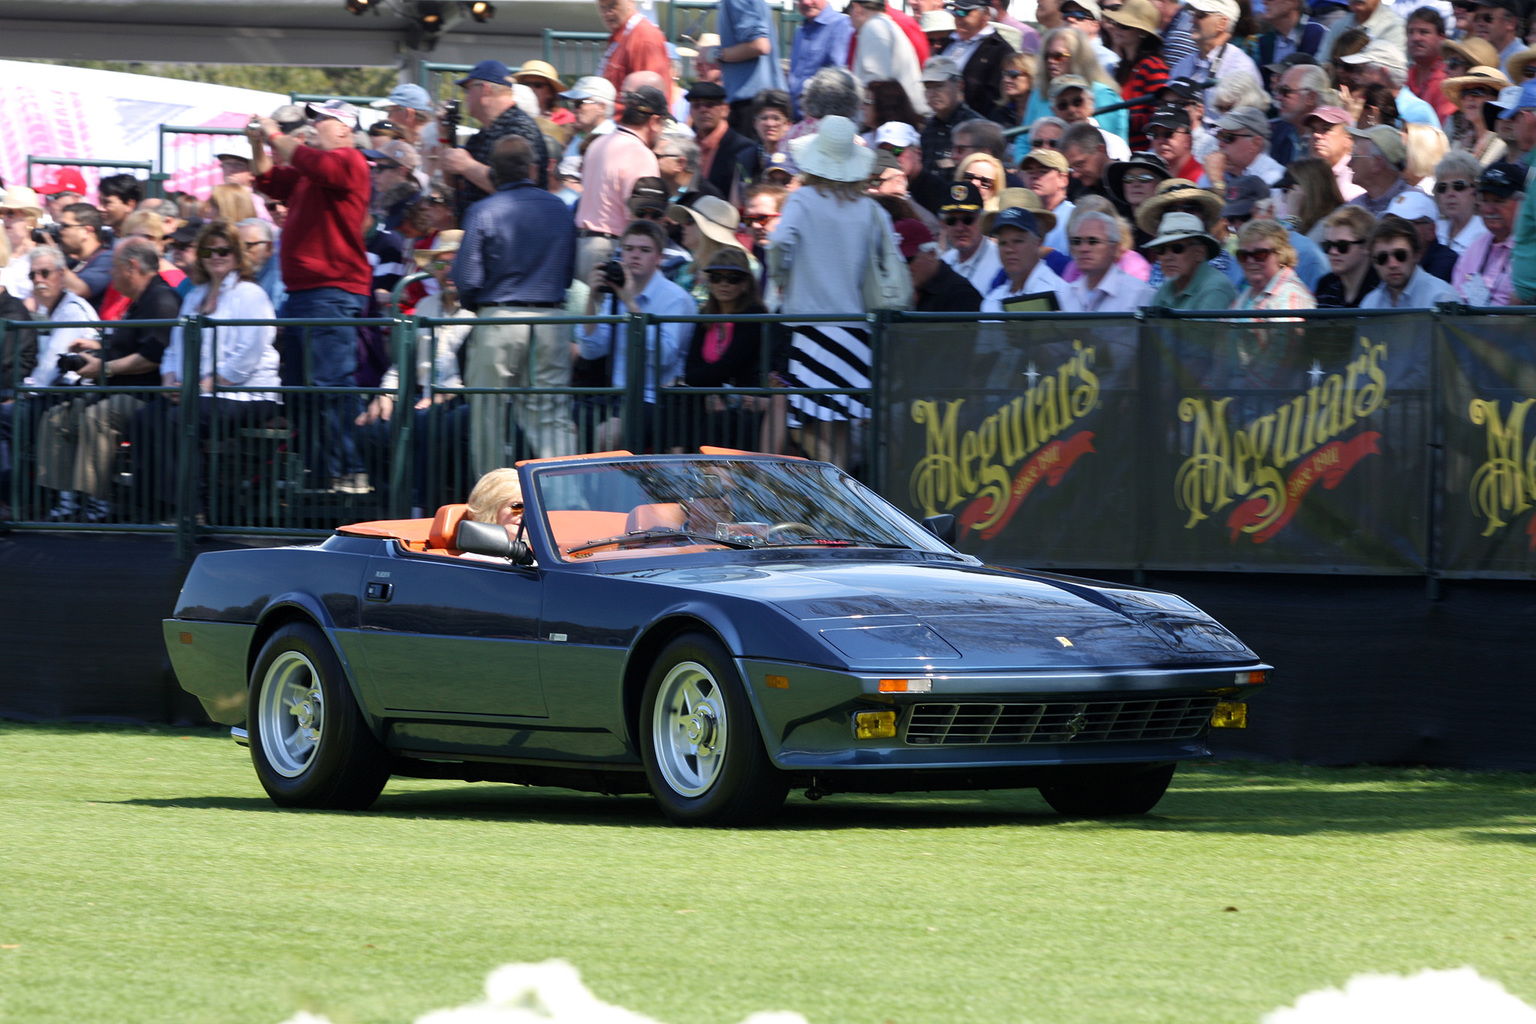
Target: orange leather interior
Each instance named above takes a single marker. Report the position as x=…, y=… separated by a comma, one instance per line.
x=445, y=526
x=667, y=516
x=581, y=526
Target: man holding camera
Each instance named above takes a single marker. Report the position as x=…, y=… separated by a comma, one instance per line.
x=631, y=284
x=516, y=260
x=79, y=440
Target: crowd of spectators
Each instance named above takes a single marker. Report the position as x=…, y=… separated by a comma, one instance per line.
x=1101, y=155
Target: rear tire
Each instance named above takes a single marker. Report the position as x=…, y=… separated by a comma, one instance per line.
x=699, y=739
x=309, y=743
x=1105, y=792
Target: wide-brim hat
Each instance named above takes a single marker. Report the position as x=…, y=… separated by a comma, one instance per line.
x=1518, y=62
x=1487, y=77
x=1477, y=52
x=1139, y=14
x=539, y=69
x=1114, y=174
x=1177, y=190
x=1024, y=199
x=1179, y=227
x=832, y=153
x=20, y=197
x=714, y=217
x=447, y=241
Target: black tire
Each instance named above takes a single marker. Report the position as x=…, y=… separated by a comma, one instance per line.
x=298, y=682
x=699, y=739
x=1105, y=792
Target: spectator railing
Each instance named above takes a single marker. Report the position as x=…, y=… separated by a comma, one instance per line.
x=184, y=157
x=96, y=166
x=1382, y=442
x=573, y=53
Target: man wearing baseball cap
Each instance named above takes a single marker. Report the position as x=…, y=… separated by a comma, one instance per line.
x=970, y=252
x=1377, y=164
x=1381, y=63
x=1325, y=132
x=1498, y=21
x=325, y=267
x=1418, y=209
x=1482, y=276
x=936, y=288
x=1215, y=57
x=610, y=169
x=1378, y=20
x=979, y=51
x=1243, y=138
x=65, y=187
x=1018, y=233
x=592, y=99
x=1048, y=175
x=409, y=108
x=488, y=99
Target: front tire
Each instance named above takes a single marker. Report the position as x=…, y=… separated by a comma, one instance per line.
x=1105, y=792
x=699, y=739
x=309, y=743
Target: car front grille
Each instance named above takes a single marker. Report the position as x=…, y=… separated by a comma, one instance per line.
x=1165, y=718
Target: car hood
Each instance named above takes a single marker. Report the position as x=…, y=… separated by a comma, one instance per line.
x=962, y=618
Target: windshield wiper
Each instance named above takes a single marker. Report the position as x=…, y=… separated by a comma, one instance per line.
x=834, y=542
x=642, y=538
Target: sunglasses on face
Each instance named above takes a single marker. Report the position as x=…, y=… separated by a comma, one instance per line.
x=1176, y=248
x=1058, y=55
x=1013, y=73
x=514, y=506
x=1087, y=240
x=758, y=218
x=385, y=166
x=1238, y=221
x=966, y=219
x=1459, y=185
x=727, y=277
x=1164, y=134
x=1382, y=258
x=439, y=264
x=1139, y=179
x=1341, y=245
x=1231, y=137
x=981, y=182
x=1456, y=64
x=1045, y=143
x=1478, y=94
x=1066, y=103
x=1253, y=255
x=1076, y=16
x=649, y=213
x=40, y=275
x=208, y=252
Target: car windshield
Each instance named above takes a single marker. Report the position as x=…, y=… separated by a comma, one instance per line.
x=636, y=506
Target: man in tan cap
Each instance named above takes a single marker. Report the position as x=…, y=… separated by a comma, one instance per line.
x=1378, y=167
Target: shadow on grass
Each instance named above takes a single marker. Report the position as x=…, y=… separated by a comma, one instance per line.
x=1273, y=801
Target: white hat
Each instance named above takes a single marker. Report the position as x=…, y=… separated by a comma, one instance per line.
x=1412, y=204
x=1178, y=227
x=1226, y=7
x=713, y=216
x=592, y=87
x=831, y=153
x=896, y=133
x=936, y=21
x=1379, y=51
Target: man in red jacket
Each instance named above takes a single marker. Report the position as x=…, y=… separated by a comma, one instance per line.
x=325, y=268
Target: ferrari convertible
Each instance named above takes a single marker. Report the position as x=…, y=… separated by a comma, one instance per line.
x=714, y=629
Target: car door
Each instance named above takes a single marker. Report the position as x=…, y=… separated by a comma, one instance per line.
x=452, y=635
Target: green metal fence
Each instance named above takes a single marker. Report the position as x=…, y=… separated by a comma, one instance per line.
x=139, y=168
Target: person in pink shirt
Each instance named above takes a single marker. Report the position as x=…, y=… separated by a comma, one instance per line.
x=609, y=171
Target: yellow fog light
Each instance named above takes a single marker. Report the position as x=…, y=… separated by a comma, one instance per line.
x=1229, y=714
x=874, y=725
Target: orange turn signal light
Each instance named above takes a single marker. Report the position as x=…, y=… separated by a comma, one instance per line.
x=776, y=682
x=906, y=686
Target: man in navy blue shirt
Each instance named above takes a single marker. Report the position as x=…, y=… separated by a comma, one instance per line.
x=516, y=260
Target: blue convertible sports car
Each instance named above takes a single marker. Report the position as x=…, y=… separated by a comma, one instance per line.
x=715, y=629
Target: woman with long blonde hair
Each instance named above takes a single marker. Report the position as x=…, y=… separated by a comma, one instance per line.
x=1066, y=51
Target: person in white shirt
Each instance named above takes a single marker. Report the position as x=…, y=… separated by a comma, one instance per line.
x=971, y=253
x=1018, y=233
x=1215, y=57
x=57, y=304
x=1097, y=240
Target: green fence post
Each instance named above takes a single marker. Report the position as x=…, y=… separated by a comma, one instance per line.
x=634, y=382
x=402, y=334
x=187, y=440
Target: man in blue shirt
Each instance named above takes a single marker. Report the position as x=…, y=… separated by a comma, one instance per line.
x=516, y=260
x=749, y=57
x=822, y=40
x=643, y=290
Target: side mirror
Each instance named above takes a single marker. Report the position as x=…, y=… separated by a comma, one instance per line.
x=942, y=527
x=493, y=540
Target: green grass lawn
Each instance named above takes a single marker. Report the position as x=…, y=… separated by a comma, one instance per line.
x=144, y=876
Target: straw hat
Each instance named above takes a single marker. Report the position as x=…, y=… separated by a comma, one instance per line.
x=1023, y=199
x=1177, y=190
x=1517, y=64
x=1138, y=14
x=447, y=241
x=1491, y=77
x=20, y=197
x=539, y=69
x=713, y=216
x=1478, y=53
x=831, y=152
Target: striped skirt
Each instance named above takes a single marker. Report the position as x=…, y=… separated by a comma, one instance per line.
x=829, y=356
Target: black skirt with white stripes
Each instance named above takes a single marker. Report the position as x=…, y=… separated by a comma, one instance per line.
x=829, y=356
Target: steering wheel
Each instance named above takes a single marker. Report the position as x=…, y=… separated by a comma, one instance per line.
x=774, y=531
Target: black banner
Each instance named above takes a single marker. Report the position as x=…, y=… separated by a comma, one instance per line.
x=1168, y=443
x=1487, y=518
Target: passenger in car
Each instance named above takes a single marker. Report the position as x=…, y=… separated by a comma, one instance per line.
x=497, y=497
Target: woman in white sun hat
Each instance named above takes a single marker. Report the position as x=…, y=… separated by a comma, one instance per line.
x=818, y=255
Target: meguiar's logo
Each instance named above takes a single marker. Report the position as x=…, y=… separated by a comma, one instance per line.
x=1504, y=486
x=1245, y=463
x=1030, y=432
